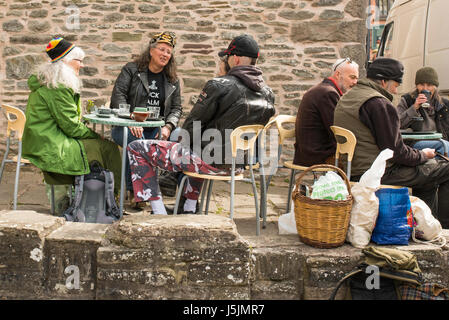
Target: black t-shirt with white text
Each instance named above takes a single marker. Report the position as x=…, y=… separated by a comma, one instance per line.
x=156, y=97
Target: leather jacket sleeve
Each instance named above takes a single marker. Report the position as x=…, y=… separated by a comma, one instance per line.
x=121, y=87
x=205, y=108
x=174, y=105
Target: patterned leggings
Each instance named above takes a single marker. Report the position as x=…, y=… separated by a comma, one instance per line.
x=146, y=155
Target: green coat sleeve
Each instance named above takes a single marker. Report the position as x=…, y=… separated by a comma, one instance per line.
x=64, y=108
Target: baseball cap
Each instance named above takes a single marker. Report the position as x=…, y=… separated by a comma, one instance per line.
x=243, y=45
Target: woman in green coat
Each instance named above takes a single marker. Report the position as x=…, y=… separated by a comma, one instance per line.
x=54, y=139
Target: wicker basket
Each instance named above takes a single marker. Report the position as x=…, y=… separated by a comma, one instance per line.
x=322, y=223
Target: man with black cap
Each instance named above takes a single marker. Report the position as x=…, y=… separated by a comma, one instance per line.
x=367, y=111
x=239, y=97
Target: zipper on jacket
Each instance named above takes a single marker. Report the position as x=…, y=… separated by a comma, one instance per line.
x=82, y=155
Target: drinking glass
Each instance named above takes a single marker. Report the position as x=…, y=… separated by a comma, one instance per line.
x=124, y=108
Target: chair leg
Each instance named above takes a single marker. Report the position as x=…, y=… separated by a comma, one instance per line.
x=209, y=192
x=232, y=188
x=203, y=195
x=263, y=196
x=178, y=194
x=290, y=189
x=52, y=199
x=256, y=200
x=16, y=182
x=5, y=156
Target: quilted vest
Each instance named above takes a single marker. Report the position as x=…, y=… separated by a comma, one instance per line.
x=347, y=116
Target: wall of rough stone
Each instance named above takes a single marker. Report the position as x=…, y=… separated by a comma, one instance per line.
x=172, y=257
x=299, y=40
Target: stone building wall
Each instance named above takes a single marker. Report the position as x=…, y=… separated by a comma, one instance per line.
x=299, y=40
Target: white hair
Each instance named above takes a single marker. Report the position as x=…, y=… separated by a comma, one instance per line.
x=53, y=74
x=340, y=63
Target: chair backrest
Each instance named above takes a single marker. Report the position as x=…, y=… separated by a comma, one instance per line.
x=346, y=147
x=284, y=133
x=16, y=124
x=244, y=138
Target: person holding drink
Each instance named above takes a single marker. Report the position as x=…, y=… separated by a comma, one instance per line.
x=424, y=109
x=150, y=81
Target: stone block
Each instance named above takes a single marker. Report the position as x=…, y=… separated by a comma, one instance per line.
x=12, y=26
x=173, y=257
x=277, y=290
x=283, y=264
x=21, y=67
x=22, y=235
x=334, y=31
x=71, y=260
x=126, y=36
x=173, y=231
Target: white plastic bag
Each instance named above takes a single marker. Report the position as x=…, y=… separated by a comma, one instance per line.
x=287, y=221
x=366, y=204
x=330, y=186
x=427, y=227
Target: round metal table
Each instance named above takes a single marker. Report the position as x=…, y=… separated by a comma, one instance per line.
x=421, y=136
x=114, y=120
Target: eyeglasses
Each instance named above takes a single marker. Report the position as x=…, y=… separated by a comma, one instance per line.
x=348, y=60
x=164, y=50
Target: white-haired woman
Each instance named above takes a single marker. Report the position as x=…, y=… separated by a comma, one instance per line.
x=54, y=139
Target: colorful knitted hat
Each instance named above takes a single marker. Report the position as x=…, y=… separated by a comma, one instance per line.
x=58, y=48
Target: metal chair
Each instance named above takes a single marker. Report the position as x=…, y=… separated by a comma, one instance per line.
x=242, y=138
x=284, y=133
x=16, y=124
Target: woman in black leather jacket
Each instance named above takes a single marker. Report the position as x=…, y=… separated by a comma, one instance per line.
x=149, y=81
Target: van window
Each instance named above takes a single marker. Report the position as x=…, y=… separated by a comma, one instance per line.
x=385, y=42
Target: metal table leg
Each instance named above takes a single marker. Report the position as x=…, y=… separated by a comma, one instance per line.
x=122, y=181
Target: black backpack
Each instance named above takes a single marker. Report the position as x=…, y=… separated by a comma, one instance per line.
x=94, y=200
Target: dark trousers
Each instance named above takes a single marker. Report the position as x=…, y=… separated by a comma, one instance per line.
x=429, y=182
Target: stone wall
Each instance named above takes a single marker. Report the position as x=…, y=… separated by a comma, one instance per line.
x=172, y=257
x=299, y=40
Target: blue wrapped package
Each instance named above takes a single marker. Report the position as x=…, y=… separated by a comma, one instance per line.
x=395, y=220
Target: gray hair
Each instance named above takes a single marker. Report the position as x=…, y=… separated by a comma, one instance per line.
x=59, y=73
x=340, y=63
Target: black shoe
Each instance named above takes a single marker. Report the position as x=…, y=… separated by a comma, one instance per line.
x=168, y=182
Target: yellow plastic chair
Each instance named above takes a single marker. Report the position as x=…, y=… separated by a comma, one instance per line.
x=16, y=123
x=284, y=133
x=348, y=147
x=242, y=138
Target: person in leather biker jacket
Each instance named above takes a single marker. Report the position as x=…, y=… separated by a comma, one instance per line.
x=240, y=97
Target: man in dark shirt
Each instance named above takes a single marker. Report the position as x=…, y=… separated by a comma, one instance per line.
x=368, y=112
x=315, y=142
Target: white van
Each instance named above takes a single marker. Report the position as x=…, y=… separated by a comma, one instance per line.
x=417, y=34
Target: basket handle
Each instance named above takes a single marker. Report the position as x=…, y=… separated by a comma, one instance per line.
x=327, y=166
